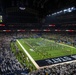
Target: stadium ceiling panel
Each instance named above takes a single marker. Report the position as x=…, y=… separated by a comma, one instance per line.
x=42, y=6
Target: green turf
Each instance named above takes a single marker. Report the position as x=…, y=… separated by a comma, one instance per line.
x=21, y=56
x=40, y=48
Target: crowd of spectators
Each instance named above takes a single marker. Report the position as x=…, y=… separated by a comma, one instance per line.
x=9, y=65
x=62, y=38
x=64, y=69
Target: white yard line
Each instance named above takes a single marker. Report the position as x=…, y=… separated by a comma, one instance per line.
x=32, y=60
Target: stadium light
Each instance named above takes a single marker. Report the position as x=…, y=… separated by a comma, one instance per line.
x=69, y=10
x=72, y=8
x=52, y=14
x=58, y=12
x=61, y=11
x=55, y=13
x=22, y=8
x=65, y=10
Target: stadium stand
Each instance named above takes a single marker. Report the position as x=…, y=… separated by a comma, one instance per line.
x=53, y=20
x=9, y=65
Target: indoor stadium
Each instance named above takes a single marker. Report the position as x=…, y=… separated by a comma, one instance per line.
x=37, y=37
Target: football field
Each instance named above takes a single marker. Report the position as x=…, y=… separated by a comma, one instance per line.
x=38, y=49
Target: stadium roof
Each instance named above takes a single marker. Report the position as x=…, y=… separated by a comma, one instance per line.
x=38, y=7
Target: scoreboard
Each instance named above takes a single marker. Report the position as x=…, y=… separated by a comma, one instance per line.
x=0, y=18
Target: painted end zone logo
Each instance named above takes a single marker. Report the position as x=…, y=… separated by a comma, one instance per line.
x=47, y=62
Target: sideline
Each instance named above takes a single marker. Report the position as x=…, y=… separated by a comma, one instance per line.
x=32, y=60
x=62, y=44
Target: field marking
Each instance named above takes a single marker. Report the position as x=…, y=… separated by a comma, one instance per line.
x=31, y=50
x=67, y=45
x=62, y=44
x=32, y=60
x=67, y=62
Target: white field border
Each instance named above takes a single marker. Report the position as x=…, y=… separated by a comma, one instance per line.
x=49, y=66
x=32, y=60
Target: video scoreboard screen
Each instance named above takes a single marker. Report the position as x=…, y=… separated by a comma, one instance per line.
x=0, y=18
